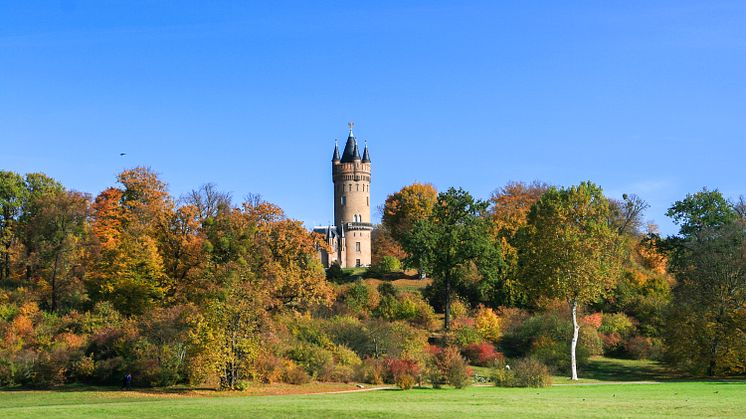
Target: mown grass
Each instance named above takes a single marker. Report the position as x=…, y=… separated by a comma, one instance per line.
x=602, y=369
x=674, y=399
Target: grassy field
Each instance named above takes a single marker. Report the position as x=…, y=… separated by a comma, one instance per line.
x=673, y=399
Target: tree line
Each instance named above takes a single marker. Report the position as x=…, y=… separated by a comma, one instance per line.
x=201, y=289
x=532, y=245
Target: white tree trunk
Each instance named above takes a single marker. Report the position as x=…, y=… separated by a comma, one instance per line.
x=575, y=329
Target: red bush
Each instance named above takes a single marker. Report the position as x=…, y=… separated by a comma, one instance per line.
x=594, y=320
x=396, y=367
x=403, y=371
x=482, y=354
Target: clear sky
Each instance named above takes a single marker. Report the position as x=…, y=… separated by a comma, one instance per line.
x=643, y=97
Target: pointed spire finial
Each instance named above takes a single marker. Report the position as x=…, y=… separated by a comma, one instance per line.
x=335, y=156
x=351, y=124
x=366, y=155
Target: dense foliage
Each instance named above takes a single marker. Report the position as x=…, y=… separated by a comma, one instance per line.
x=203, y=290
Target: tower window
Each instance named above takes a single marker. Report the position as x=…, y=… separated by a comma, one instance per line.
x=357, y=246
x=344, y=200
x=357, y=187
x=357, y=262
x=367, y=201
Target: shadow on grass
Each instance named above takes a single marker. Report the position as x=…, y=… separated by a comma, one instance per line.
x=607, y=369
x=73, y=388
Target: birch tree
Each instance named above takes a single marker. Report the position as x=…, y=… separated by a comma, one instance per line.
x=568, y=250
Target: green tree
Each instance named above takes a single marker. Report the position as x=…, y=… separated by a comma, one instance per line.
x=12, y=196
x=56, y=231
x=707, y=323
x=569, y=251
x=453, y=236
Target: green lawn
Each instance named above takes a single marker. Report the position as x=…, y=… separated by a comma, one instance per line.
x=674, y=399
x=601, y=395
x=601, y=369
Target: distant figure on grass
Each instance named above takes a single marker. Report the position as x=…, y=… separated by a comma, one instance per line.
x=127, y=382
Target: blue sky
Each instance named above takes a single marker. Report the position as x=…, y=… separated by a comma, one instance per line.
x=640, y=97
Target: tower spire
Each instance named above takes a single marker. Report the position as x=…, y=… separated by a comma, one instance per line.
x=335, y=157
x=366, y=156
x=350, y=150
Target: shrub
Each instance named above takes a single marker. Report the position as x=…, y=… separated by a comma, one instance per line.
x=525, y=372
x=396, y=339
x=446, y=366
x=387, y=289
x=345, y=356
x=547, y=337
x=404, y=372
x=592, y=320
x=313, y=359
x=458, y=309
x=407, y=307
x=530, y=372
x=268, y=368
x=294, y=374
x=350, y=332
x=487, y=323
x=482, y=354
x=360, y=299
x=83, y=368
x=242, y=385
x=387, y=265
x=335, y=273
x=503, y=375
x=592, y=343
x=617, y=323
x=405, y=382
x=463, y=332
x=372, y=371
x=615, y=328
x=639, y=347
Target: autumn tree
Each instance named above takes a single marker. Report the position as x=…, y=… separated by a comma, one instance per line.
x=259, y=263
x=404, y=208
x=626, y=215
x=569, y=251
x=383, y=244
x=450, y=239
x=284, y=257
x=208, y=200
x=130, y=223
x=507, y=213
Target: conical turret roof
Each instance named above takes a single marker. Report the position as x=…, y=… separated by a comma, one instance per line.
x=348, y=155
x=335, y=157
x=356, y=152
x=366, y=156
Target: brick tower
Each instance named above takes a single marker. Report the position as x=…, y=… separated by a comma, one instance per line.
x=351, y=177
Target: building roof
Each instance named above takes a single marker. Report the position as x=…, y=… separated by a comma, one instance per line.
x=335, y=157
x=348, y=155
x=366, y=156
